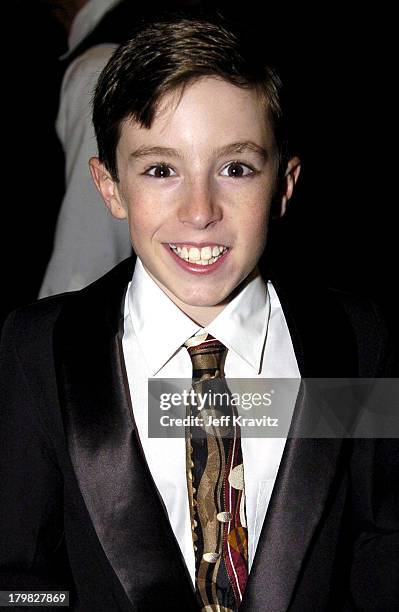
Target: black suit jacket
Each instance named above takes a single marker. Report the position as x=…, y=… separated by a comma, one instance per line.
x=80, y=510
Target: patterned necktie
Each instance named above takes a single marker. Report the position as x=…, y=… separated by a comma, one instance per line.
x=215, y=478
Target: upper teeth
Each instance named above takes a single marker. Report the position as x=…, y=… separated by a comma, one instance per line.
x=203, y=256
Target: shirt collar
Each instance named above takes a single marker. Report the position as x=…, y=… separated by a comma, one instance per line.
x=242, y=325
x=158, y=322
x=86, y=20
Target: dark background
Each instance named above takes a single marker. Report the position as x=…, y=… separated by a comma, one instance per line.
x=341, y=229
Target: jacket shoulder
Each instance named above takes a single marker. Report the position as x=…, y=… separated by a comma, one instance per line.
x=335, y=332
x=370, y=329
x=33, y=323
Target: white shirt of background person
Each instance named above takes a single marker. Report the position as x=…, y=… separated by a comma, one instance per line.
x=88, y=240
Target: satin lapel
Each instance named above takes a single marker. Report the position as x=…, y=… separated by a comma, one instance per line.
x=123, y=503
x=324, y=346
x=305, y=480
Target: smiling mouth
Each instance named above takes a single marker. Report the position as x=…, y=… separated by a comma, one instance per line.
x=203, y=256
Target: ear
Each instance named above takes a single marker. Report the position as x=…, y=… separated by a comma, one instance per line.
x=289, y=181
x=107, y=187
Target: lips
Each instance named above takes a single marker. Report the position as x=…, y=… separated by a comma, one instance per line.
x=198, y=259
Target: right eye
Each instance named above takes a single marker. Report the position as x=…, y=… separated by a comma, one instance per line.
x=160, y=171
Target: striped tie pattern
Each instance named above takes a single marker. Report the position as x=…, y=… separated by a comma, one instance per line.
x=215, y=479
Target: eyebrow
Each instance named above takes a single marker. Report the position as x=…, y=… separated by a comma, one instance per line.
x=235, y=147
x=161, y=151
x=242, y=147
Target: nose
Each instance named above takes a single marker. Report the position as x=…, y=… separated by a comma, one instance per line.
x=199, y=207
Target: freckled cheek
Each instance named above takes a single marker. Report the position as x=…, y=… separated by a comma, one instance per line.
x=145, y=221
x=253, y=216
x=251, y=234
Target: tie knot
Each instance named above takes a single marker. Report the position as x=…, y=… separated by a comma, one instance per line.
x=207, y=357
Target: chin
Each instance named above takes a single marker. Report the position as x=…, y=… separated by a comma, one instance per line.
x=203, y=301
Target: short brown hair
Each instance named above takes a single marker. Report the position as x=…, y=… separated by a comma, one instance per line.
x=164, y=55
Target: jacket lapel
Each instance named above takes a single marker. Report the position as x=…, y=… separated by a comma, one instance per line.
x=324, y=346
x=124, y=505
x=304, y=483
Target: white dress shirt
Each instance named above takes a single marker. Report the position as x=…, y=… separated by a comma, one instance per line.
x=253, y=328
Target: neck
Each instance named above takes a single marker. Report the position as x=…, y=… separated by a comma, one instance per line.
x=202, y=315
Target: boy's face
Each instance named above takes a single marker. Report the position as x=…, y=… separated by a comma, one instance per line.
x=197, y=189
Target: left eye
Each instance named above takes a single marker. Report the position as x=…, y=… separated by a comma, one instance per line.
x=236, y=170
x=160, y=171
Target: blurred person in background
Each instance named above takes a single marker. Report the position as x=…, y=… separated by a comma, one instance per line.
x=88, y=241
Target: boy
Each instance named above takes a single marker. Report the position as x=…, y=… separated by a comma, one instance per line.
x=193, y=152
